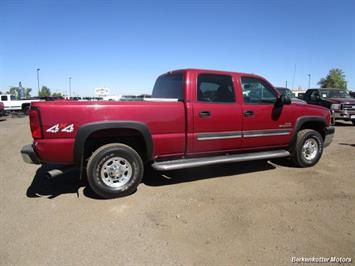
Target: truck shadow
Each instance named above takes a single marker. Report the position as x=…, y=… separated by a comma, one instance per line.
x=343, y=124
x=41, y=186
x=347, y=144
x=70, y=183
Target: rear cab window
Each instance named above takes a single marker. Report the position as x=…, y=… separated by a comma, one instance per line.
x=169, y=86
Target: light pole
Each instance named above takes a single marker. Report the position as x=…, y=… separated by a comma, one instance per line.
x=309, y=81
x=38, y=79
x=69, y=88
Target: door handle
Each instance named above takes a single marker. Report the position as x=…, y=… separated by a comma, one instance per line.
x=205, y=113
x=248, y=113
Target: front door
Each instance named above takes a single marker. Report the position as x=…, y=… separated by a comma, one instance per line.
x=217, y=114
x=264, y=123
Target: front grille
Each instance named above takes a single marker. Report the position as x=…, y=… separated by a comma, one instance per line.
x=348, y=106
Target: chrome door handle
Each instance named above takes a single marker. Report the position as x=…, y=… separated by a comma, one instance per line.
x=205, y=113
x=248, y=113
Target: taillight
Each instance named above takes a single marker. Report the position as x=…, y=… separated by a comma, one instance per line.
x=35, y=123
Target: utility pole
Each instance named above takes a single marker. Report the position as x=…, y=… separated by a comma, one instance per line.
x=69, y=88
x=309, y=81
x=38, y=79
x=286, y=84
x=293, y=77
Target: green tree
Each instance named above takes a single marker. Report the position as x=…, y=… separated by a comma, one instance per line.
x=334, y=79
x=16, y=91
x=44, y=91
x=28, y=92
x=57, y=94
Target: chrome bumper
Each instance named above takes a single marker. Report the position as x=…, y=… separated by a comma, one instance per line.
x=29, y=155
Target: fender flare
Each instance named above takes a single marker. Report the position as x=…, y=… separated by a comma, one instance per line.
x=300, y=122
x=86, y=130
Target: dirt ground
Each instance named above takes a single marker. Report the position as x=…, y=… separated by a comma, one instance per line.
x=255, y=213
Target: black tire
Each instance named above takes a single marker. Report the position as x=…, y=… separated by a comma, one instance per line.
x=99, y=170
x=353, y=122
x=303, y=156
x=26, y=109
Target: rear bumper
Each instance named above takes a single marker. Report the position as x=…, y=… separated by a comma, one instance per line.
x=29, y=155
x=329, y=134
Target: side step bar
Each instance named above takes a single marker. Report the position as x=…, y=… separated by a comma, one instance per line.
x=195, y=162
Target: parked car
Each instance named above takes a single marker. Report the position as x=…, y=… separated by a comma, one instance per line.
x=11, y=104
x=300, y=95
x=337, y=100
x=290, y=94
x=194, y=118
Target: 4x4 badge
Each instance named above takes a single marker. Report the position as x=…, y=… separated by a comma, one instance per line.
x=56, y=128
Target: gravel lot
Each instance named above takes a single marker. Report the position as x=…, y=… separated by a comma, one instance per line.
x=257, y=213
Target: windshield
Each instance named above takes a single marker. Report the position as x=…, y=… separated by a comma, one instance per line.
x=334, y=94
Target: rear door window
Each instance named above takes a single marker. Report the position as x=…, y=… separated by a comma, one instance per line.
x=215, y=88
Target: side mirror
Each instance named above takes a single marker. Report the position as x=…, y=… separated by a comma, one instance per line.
x=283, y=99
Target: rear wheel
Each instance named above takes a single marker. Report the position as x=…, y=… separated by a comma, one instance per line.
x=114, y=170
x=308, y=149
x=26, y=109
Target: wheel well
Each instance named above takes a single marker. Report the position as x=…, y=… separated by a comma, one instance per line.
x=24, y=105
x=315, y=125
x=130, y=137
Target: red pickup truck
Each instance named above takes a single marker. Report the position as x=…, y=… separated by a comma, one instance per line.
x=2, y=109
x=194, y=118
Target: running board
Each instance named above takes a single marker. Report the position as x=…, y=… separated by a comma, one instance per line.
x=195, y=162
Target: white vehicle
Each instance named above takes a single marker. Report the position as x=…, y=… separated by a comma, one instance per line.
x=11, y=104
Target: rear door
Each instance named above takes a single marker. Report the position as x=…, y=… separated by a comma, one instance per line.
x=217, y=119
x=264, y=123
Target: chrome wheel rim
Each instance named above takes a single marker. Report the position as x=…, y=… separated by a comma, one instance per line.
x=116, y=172
x=310, y=149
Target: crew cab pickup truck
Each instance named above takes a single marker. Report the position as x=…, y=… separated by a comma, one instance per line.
x=194, y=118
x=337, y=100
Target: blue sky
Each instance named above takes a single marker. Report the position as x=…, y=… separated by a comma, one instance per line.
x=125, y=45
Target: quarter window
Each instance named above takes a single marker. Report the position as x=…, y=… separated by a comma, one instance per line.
x=256, y=91
x=4, y=98
x=215, y=88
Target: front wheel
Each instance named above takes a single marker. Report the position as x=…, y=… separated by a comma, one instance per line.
x=308, y=149
x=114, y=170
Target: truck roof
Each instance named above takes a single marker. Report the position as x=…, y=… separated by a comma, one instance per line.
x=222, y=72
